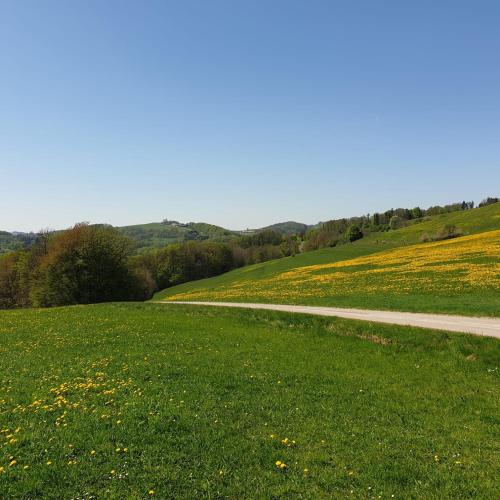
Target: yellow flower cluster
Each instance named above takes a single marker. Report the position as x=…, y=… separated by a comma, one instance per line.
x=445, y=267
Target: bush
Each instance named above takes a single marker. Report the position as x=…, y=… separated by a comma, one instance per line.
x=448, y=231
x=353, y=233
x=396, y=222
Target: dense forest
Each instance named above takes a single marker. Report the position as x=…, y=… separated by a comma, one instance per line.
x=98, y=263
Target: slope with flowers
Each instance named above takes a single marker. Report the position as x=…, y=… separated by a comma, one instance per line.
x=460, y=275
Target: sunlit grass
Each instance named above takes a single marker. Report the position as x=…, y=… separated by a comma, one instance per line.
x=133, y=401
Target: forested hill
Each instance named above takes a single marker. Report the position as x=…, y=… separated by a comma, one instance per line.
x=323, y=234
x=160, y=234
x=290, y=227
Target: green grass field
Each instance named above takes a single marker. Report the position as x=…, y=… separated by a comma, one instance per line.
x=380, y=271
x=140, y=400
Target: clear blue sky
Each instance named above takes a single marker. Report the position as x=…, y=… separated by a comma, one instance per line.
x=243, y=113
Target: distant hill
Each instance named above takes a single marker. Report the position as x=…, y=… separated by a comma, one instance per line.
x=15, y=241
x=290, y=227
x=159, y=234
x=152, y=235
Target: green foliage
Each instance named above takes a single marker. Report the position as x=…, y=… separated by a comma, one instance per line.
x=8, y=279
x=289, y=228
x=190, y=261
x=446, y=232
x=396, y=222
x=116, y=400
x=353, y=233
x=86, y=264
x=261, y=238
x=10, y=242
x=332, y=233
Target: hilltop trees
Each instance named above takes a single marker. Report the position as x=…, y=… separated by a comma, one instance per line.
x=488, y=201
x=335, y=232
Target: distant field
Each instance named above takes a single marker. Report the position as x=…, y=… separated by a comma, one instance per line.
x=384, y=270
x=140, y=400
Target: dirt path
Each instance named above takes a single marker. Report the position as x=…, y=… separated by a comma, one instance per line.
x=489, y=327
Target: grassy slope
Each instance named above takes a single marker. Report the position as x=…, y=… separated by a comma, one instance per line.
x=471, y=222
x=194, y=395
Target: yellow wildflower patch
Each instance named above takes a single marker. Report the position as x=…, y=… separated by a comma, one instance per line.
x=469, y=263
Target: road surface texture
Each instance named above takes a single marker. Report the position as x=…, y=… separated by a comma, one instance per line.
x=489, y=327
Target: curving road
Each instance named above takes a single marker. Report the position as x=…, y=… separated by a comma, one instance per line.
x=489, y=327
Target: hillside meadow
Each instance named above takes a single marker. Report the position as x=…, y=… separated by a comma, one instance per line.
x=144, y=400
x=460, y=275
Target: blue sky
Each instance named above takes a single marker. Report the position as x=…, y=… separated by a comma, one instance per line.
x=244, y=113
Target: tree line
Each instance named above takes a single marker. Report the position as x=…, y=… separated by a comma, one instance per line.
x=90, y=264
x=339, y=231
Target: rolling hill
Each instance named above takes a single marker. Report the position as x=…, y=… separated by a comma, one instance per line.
x=290, y=227
x=389, y=270
x=160, y=234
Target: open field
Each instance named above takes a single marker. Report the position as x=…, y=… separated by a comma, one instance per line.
x=460, y=275
x=138, y=400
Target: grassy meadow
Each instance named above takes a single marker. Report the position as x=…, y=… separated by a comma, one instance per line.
x=144, y=400
x=382, y=271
